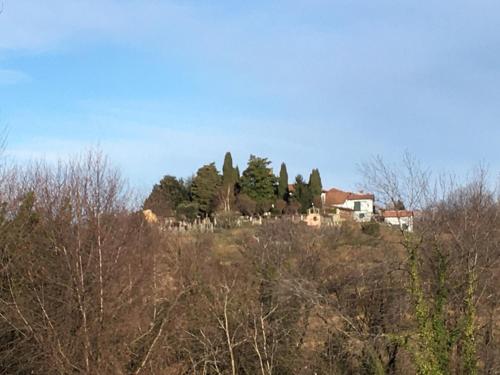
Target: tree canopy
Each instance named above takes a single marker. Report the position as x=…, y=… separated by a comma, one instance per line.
x=205, y=187
x=209, y=191
x=258, y=181
x=166, y=196
x=302, y=193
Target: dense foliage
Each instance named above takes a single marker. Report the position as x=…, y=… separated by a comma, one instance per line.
x=258, y=182
x=302, y=193
x=205, y=187
x=167, y=195
x=255, y=192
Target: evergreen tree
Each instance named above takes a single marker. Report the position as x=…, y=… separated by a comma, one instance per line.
x=166, y=196
x=237, y=173
x=237, y=187
x=205, y=187
x=229, y=179
x=315, y=183
x=258, y=182
x=229, y=176
x=283, y=183
x=302, y=193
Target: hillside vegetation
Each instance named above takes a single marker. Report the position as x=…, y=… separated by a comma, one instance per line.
x=88, y=286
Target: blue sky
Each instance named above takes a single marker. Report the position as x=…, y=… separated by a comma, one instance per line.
x=166, y=86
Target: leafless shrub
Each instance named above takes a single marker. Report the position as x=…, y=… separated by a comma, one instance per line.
x=87, y=286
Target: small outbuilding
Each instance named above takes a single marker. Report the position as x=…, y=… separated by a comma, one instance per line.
x=313, y=217
x=401, y=218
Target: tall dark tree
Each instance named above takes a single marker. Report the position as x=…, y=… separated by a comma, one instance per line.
x=229, y=179
x=258, y=182
x=302, y=193
x=166, y=196
x=283, y=183
x=228, y=171
x=237, y=187
x=205, y=188
x=315, y=183
x=237, y=173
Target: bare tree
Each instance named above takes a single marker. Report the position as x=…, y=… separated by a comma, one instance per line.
x=452, y=259
x=407, y=182
x=80, y=262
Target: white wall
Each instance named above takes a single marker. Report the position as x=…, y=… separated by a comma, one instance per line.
x=366, y=205
x=401, y=222
x=366, y=208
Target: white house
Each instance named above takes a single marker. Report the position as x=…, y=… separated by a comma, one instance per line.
x=360, y=204
x=401, y=218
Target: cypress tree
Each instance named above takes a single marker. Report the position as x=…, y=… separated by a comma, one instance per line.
x=315, y=185
x=283, y=183
x=237, y=173
x=237, y=187
x=228, y=172
x=229, y=179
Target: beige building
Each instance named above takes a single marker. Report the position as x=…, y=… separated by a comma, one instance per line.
x=313, y=217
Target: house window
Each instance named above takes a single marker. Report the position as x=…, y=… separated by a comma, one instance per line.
x=357, y=206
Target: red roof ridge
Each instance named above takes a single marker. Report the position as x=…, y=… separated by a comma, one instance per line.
x=335, y=190
x=360, y=196
x=335, y=196
x=397, y=213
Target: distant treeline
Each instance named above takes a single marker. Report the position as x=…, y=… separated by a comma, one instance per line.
x=256, y=191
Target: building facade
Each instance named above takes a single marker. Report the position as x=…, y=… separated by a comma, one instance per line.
x=361, y=205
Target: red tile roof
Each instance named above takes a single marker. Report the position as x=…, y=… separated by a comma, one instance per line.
x=356, y=196
x=397, y=213
x=336, y=196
